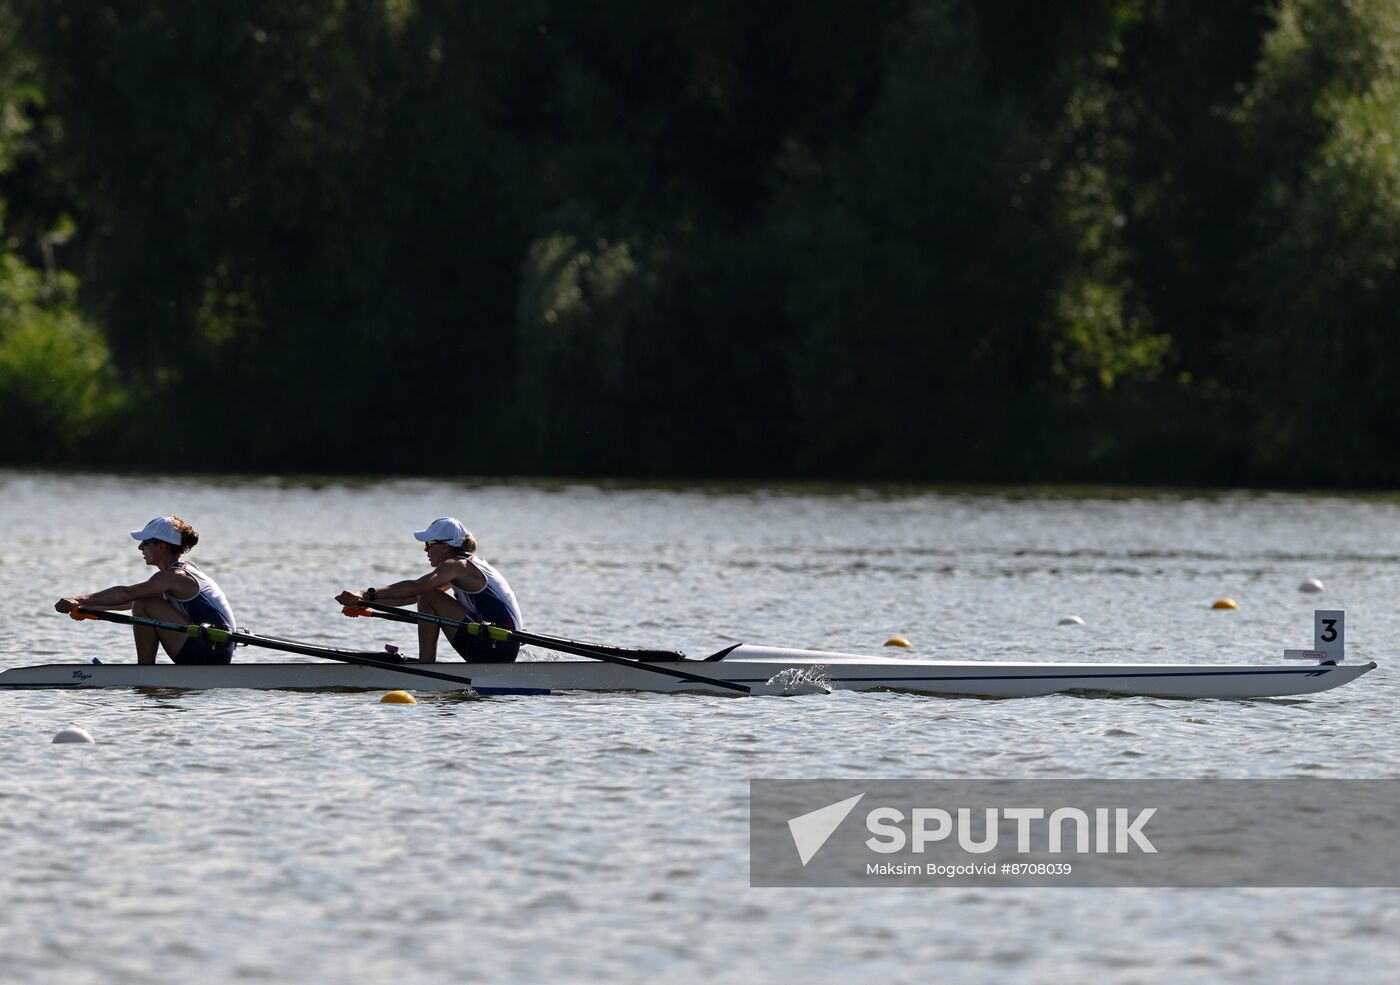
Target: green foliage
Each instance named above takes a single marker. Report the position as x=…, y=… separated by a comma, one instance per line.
x=1102, y=335
x=578, y=302
x=951, y=239
x=935, y=269
x=1323, y=277
x=57, y=389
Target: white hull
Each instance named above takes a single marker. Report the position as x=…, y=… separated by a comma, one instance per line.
x=747, y=665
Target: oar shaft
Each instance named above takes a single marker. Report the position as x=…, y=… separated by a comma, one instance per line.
x=211, y=634
x=501, y=634
x=216, y=635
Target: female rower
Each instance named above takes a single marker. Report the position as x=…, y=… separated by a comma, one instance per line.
x=178, y=592
x=461, y=586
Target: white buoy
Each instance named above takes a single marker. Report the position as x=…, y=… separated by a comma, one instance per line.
x=1311, y=585
x=73, y=734
x=1071, y=621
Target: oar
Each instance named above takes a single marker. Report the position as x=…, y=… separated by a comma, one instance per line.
x=502, y=635
x=212, y=634
x=554, y=642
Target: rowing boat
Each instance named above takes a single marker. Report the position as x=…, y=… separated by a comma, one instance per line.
x=737, y=669
x=746, y=665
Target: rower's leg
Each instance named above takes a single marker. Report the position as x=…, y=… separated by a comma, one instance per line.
x=146, y=640
x=427, y=639
x=147, y=636
x=436, y=604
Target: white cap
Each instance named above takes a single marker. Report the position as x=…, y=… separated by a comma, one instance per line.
x=161, y=528
x=444, y=528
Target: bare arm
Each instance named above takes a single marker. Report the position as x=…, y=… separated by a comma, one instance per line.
x=121, y=596
x=409, y=590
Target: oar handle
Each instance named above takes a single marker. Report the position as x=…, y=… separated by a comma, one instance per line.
x=354, y=610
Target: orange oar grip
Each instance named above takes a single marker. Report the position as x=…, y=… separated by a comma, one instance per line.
x=351, y=610
x=75, y=614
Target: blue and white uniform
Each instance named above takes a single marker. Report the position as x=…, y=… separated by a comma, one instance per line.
x=206, y=605
x=495, y=604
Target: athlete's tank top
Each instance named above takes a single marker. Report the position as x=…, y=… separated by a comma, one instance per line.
x=495, y=603
x=207, y=604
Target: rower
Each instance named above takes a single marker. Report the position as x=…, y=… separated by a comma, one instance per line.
x=177, y=592
x=461, y=586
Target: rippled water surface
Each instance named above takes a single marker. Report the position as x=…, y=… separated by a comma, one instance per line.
x=268, y=836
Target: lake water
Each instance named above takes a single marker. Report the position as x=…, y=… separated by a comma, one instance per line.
x=273, y=836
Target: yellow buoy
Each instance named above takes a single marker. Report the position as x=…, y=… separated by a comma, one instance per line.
x=898, y=641
x=1224, y=604
x=398, y=698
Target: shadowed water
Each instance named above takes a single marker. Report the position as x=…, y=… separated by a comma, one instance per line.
x=256, y=836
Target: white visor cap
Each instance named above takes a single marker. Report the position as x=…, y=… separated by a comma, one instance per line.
x=444, y=528
x=161, y=528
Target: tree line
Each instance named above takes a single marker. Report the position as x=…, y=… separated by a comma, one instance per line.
x=1097, y=240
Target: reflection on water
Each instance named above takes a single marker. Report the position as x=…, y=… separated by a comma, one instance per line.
x=290, y=836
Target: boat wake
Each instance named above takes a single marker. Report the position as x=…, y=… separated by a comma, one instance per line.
x=796, y=680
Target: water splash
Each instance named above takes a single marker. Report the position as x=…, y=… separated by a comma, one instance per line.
x=797, y=680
